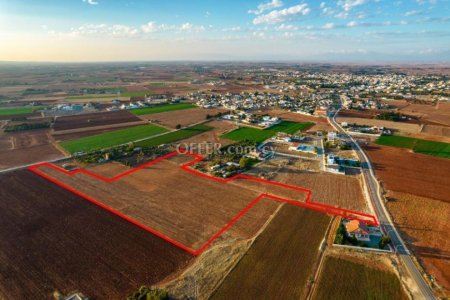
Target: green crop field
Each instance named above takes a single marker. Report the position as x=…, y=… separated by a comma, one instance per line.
x=344, y=279
x=112, y=138
x=259, y=135
x=280, y=262
x=161, y=108
x=417, y=145
x=17, y=110
x=174, y=136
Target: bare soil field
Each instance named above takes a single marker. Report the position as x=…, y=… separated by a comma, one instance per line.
x=425, y=226
x=437, y=114
x=365, y=114
x=401, y=170
x=336, y=190
x=436, y=130
x=340, y=273
x=402, y=127
x=190, y=214
x=94, y=119
x=182, y=117
x=280, y=261
x=21, y=148
x=51, y=239
x=321, y=123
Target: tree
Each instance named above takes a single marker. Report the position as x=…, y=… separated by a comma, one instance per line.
x=384, y=241
x=245, y=163
x=178, y=126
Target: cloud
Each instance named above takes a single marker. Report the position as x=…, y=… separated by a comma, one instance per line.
x=150, y=27
x=284, y=27
x=329, y=26
x=189, y=27
x=348, y=5
x=91, y=2
x=278, y=16
x=266, y=6
x=233, y=29
x=412, y=13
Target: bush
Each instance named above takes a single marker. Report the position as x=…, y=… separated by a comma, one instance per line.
x=146, y=293
x=384, y=241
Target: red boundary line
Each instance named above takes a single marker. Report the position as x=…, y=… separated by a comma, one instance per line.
x=328, y=209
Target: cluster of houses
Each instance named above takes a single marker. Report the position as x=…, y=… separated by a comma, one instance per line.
x=251, y=119
x=365, y=129
x=308, y=104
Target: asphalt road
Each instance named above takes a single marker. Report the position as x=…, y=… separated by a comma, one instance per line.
x=383, y=216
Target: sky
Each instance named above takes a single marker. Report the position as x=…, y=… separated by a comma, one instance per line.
x=372, y=31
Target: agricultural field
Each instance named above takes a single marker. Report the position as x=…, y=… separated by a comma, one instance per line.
x=25, y=147
x=259, y=135
x=161, y=108
x=417, y=145
x=280, y=261
x=417, y=187
x=432, y=114
x=67, y=244
x=423, y=223
x=342, y=278
x=396, y=126
x=174, y=136
x=210, y=137
x=403, y=171
x=320, y=123
x=183, y=117
x=331, y=189
x=17, y=110
x=93, y=119
x=112, y=138
x=199, y=205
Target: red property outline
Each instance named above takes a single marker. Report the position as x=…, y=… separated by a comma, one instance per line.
x=328, y=209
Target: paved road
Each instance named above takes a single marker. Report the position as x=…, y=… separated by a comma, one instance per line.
x=383, y=216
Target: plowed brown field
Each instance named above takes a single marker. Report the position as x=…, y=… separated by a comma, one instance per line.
x=51, y=239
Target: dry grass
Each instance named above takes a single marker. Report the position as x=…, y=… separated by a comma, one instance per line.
x=425, y=226
x=183, y=206
x=337, y=190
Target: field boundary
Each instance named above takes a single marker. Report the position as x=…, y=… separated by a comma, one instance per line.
x=328, y=209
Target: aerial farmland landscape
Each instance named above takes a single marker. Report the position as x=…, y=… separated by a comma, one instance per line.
x=278, y=149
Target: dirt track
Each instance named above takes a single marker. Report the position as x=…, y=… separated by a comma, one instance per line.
x=51, y=239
